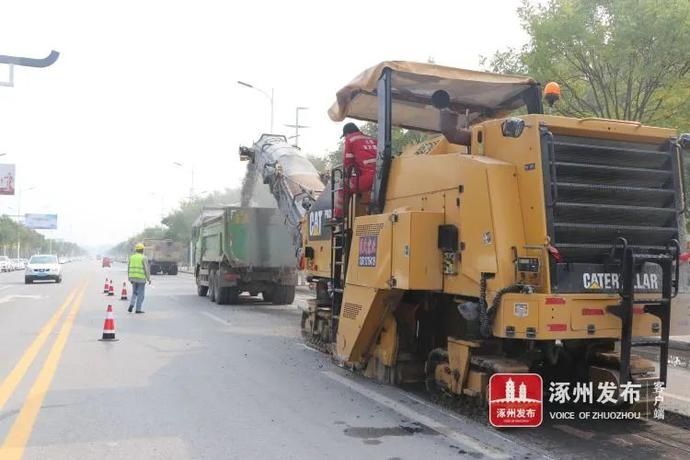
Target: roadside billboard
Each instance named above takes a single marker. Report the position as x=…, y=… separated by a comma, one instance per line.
x=7, y=179
x=41, y=221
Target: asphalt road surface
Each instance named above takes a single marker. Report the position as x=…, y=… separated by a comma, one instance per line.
x=191, y=379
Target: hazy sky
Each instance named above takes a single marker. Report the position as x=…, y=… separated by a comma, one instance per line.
x=141, y=84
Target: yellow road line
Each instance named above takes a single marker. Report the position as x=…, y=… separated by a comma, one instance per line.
x=15, y=442
x=20, y=369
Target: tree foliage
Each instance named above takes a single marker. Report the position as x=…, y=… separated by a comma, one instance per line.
x=621, y=59
x=177, y=225
x=32, y=242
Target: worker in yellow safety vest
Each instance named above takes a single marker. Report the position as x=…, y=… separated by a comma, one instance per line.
x=139, y=274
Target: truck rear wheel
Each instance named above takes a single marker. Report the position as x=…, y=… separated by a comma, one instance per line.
x=233, y=296
x=283, y=295
x=267, y=295
x=228, y=295
x=222, y=296
x=173, y=270
x=201, y=290
x=212, y=286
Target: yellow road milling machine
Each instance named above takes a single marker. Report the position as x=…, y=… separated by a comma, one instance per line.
x=509, y=241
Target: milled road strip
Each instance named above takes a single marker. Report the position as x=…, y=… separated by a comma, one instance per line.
x=16, y=440
x=409, y=413
x=20, y=369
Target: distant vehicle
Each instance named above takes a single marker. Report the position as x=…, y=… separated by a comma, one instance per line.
x=164, y=255
x=43, y=267
x=106, y=262
x=5, y=264
x=18, y=264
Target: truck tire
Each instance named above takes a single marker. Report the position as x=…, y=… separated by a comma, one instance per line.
x=201, y=290
x=228, y=296
x=212, y=286
x=267, y=295
x=283, y=295
x=173, y=270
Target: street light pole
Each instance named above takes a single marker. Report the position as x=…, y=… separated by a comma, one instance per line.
x=297, y=126
x=12, y=61
x=269, y=96
x=22, y=61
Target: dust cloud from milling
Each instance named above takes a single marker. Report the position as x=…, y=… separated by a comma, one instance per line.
x=255, y=193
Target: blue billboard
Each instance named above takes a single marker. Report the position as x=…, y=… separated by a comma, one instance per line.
x=41, y=221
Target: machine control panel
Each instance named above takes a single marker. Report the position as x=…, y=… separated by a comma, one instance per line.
x=528, y=264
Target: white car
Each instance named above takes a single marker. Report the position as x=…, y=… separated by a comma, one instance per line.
x=5, y=264
x=18, y=264
x=43, y=267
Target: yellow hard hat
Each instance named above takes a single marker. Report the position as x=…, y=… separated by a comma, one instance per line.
x=139, y=247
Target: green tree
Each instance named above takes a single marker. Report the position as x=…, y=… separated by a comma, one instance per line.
x=177, y=225
x=621, y=59
x=32, y=242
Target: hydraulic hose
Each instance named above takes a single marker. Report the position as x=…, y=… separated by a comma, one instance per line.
x=486, y=315
x=484, y=322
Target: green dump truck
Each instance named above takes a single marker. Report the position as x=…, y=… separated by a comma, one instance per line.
x=240, y=250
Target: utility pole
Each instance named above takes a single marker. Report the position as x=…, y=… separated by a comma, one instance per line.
x=297, y=126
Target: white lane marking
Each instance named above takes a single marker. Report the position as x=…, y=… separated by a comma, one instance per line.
x=411, y=414
x=9, y=298
x=216, y=318
x=309, y=348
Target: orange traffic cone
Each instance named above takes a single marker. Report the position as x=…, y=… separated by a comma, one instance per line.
x=109, y=326
x=111, y=289
x=123, y=296
x=105, y=287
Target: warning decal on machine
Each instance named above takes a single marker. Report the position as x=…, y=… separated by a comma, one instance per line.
x=521, y=310
x=367, y=251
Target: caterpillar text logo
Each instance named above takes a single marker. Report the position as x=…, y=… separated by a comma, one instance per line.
x=316, y=221
x=643, y=281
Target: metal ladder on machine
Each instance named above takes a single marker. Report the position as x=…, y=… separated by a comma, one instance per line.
x=661, y=308
x=341, y=236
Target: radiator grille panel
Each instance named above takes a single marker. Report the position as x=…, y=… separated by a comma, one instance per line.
x=351, y=310
x=599, y=190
